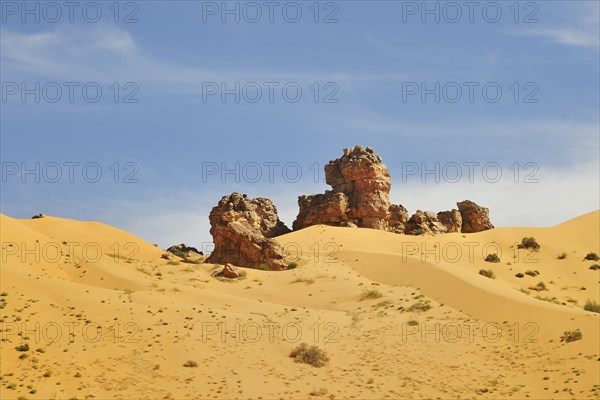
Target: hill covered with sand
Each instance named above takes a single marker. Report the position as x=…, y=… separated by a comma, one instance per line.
x=90, y=311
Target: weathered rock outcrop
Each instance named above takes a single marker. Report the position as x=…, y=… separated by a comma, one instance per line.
x=242, y=231
x=452, y=220
x=228, y=271
x=398, y=219
x=361, y=176
x=474, y=217
x=184, y=251
x=424, y=222
x=360, y=196
x=330, y=208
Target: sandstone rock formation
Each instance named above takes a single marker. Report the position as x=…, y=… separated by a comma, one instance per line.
x=330, y=208
x=474, y=217
x=361, y=176
x=360, y=197
x=184, y=251
x=424, y=222
x=243, y=228
x=452, y=220
x=228, y=271
x=242, y=231
x=398, y=219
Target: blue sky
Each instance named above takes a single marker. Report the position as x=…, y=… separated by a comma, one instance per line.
x=358, y=73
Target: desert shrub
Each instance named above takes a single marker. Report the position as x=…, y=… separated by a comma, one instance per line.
x=319, y=393
x=562, y=256
x=172, y=262
x=591, y=257
x=571, y=336
x=22, y=347
x=539, y=287
x=292, y=265
x=519, y=275
x=493, y=258
x=592, y=306
x=595, y=267
x=371, y=294
x=264, y=268
x=488, y=273
x=419, y=307
x=312, y=355
x=528, y=243
x=532, y=273
x=412, y=322
x=190, y=364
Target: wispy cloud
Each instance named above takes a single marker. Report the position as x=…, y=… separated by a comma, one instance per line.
x=572, y=37
x=581, y=31
x=108, y=54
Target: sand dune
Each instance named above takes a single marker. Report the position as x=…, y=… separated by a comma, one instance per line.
x=104, y=316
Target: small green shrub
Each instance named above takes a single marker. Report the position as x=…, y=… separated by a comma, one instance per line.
x=292, y=265
x=488, y=273
x=539, y=287
x=312, y=355
x=371, y=294
x=571, y=336
x=592, y=257
x=519, y=275
x=493, y=258
x=190, y=364
x=592, y=306
x=22, y=347
x=264, y=268
x=562, y=256
x=529, y=243
x=420, y=306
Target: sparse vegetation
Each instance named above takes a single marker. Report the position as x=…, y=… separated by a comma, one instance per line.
x=488, y=273
x=532, y=273
x=519, y=275
x=529, y=243
x=292, y=265
x=172, y=262
x=319, y=393
x=412, y=322
x=308, y=281
x=592, y=257
x=493, y=258
x=571, y=336
x=190, y=364
x=264, y=268
x=312, y=355
x=539, y=287
x=595, y=267
x=420, y=306
x=592, y=306
x=371, y=294
x=22, y=347
x=562, y=256
x=553, y=300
